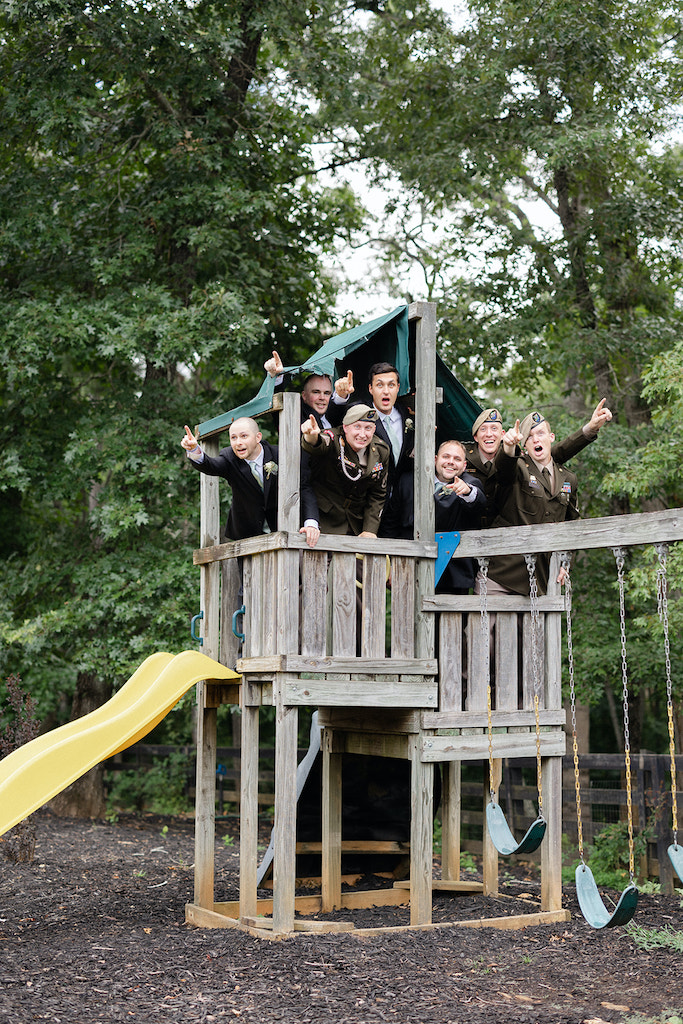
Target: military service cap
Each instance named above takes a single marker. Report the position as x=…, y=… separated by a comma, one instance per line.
x=534, y=419
x=359, y=412
x=487, y=416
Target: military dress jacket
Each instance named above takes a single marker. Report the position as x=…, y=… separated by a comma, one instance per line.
x=350, y=496
x=485, y=471
x=525, y=498
x=253, y=507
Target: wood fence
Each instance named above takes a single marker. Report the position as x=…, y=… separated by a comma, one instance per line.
x=603, y=794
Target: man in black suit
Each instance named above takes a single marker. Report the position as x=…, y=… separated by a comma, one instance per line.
x=250, y=465
x=315, y=394
x=458, y=503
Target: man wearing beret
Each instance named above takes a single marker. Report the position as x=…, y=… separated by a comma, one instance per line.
x=349, y=469
x=532, y=489
x=488, y=430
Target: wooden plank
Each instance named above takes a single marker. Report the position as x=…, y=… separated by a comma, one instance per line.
x=450, y=662
x=528, y=681
x=313, y=603
x=287, y=596
x=331, y=826
x=312, y=927
x=327, y=542
x=374, y=744
x=289, y=448
x=231, y=600
x=369, y=693
x=421, y=831
x=284, y=826
x=357, y=845
x=507, y=662
x=451, y=803
x=362, y=666
x=476, y=747
x=249, y=776
x=551, y=847
x=374, y=586
x=494, y=603
x=578, y=535
x=370, y=720
x=402, y=607
x=499, y=719
x=269, y=602
x=477, y=666
x=343, y=596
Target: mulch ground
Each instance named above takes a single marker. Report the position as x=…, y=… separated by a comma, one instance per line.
x=93, y=930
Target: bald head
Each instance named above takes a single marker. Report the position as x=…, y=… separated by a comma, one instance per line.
x=245, y=438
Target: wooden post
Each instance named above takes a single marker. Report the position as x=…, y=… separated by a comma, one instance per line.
x=205, y=790
x=551, y=848
x=422, y=775
x=286, y=593
x=451, y=802
x=421, y=826
x=249, y=810
x=331, y=825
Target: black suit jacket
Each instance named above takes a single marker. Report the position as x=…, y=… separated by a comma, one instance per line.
x=450, y=513
x=252, y=507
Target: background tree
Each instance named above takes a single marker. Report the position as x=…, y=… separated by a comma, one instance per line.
x=162, y=232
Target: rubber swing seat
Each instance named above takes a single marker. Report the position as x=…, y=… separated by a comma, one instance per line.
x=676, y=857
x=503, y=839
x=594, y=910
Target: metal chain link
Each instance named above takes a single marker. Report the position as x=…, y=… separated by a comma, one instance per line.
x=565, y=560
x=535, y=669
x=484, y=636
x=619, y=557
x=663, y=611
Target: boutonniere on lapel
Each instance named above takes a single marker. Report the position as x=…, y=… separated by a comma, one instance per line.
x=409, y=424
x=270, y=469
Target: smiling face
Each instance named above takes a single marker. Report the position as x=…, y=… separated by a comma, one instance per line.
x=359, y=434
x=450, y=461
x=245, y=438
x=384, y=391
x=317, y=392
x=539, y=444
x=488, y=438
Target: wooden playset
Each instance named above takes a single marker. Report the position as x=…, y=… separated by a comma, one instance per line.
x=414, y=683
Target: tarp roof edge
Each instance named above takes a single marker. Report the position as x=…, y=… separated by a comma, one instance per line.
x=322, y=361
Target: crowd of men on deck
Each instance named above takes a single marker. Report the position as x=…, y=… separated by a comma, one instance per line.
x=357, y=473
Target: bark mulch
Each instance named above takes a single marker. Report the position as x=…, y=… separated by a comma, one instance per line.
x=93, y=930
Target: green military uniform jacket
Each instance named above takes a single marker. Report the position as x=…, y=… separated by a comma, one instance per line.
x=525, y=498
x=348, y=506
x=485, y=471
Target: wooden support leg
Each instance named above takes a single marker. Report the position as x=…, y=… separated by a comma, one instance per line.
x=551, y=847
x=451, y=793
x=490, y=865
x=331, y=825
x=249, y=811
x=421, y=832
x=205, y=804
x=284, y=829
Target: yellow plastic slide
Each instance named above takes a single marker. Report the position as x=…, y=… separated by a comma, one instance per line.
x=36, y=772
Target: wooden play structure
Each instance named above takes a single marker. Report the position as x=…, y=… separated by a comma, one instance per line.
x=414, y=687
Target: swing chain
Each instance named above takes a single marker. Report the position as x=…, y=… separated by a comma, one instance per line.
x=619, y=555
x=484, y=635
x=565, y=560
x=535, y=668
x=663, y=611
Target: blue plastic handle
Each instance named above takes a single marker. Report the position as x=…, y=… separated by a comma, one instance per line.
x=199, y=639
x=240, y=611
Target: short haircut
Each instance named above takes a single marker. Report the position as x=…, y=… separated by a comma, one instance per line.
x=315, y=376
x=460, y=445
x=378, y=368
x=253, y=425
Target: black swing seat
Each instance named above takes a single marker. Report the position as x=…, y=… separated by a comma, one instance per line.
x=503, y=839
x=676, y=857
x=594, y=910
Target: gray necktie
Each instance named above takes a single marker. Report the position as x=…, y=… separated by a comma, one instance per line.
x=255, y=474
x=393, y=438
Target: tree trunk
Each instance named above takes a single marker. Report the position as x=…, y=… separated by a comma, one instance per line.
x=85, y=797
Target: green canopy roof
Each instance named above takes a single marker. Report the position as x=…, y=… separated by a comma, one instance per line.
x=387, y=338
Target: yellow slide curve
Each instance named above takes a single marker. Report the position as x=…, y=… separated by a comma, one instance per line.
x=36, y=772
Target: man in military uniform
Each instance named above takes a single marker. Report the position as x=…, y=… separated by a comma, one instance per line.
x=349, y=468
x=532, y=489
x=488, y=430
